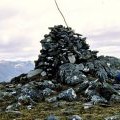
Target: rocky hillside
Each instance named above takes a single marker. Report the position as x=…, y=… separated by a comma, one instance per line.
x=10, y=69
x=69, y=80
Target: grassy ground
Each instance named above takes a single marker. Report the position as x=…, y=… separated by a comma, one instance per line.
x=42, y=110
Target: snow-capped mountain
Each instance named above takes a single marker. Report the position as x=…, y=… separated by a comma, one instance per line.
x=10, y=69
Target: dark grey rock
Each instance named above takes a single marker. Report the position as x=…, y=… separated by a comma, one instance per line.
x=80, y=67
x=47, y=92
x=70, y=75
x=107, y=91
x=68, y=95
x=102, y=74
x=82, y=87
x=21, y=79
x=34, y=73
x=118, y=77
x=110, y=72
x=98, y=100
x=91, y=90
x=31, y=91
x=46, y=84
x=90, y=66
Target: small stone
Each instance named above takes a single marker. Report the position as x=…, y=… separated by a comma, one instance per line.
x=108, y=64
x=43, y=73
x=71, y=58
x=52, y=99
x=51, y=117
x=75, y=117
x=29, y=107
x=88, y=105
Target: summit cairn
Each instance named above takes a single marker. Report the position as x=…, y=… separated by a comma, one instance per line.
x=62, y=45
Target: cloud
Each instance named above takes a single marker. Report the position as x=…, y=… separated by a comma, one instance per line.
x=23, y=24
x=110, y=37
x=16, y=43
x=7, y=13
x=106, y=41
x=19, y=47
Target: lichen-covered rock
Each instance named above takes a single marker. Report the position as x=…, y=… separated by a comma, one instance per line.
x=98, y=100
x=33, y=92
x=47, y=92
x=68, y=95
x=70, y=74
x=46, y=84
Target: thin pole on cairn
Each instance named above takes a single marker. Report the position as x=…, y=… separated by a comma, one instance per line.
x=61, y=13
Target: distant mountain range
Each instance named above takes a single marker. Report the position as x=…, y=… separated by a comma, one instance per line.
x=10, y=69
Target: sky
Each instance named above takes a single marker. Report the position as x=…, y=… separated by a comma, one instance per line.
x=23, y=24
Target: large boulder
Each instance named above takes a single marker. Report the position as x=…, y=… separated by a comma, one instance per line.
x=71, y=74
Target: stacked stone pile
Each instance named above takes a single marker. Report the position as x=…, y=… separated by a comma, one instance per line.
x=62, y=45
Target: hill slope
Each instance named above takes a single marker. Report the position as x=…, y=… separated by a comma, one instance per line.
x=10, y=69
